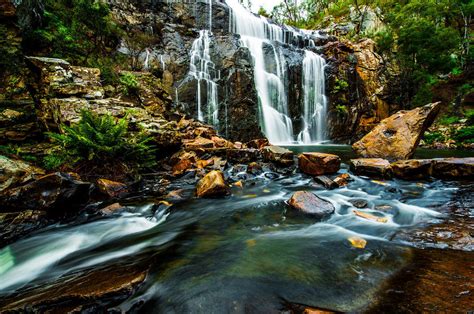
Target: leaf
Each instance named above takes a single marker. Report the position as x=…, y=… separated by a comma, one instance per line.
x=357, y=242
x=370, y=216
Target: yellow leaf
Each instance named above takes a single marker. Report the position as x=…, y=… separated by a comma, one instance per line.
x=380, y=183
x=251, y=242
x=266, y=191
x=250, y=196
x=239, y=184
x=370, y=216
x=357, y=242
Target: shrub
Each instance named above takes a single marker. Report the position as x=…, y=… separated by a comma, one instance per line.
x=465, y=135
x=129, y=81
x=100, y=140
x=470, y=117
x=430, y=138
x=449, y=120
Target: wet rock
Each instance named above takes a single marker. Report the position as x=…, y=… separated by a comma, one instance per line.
x=18, y=224
x=412, y=169
x=245, y=155
x=58, y=194
x=199, y=143
x=112, y=188
x=359, y=203
x=110, y=209
x=310, y=204
x=278, y=155
x=258, y=143
x=220, y=142
x=454, y=168
x=16, y=172
x=326, y=182
x=212, y=185
x=371, y=167
x=397, y=136
x=254, y=168
x=319, y=163
x=342, y=179
x=182, y=166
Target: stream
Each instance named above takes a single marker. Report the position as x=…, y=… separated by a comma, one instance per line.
x=246, y=252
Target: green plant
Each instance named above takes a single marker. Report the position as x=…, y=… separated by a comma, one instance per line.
x=129, y=81
x=430, y=138
x=101, y=140
x=465, y=135
x=341, y=109
x=340, y=85
x=470, y=117
x=449, y=120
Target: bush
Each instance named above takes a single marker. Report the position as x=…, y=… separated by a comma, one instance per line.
x=129, y=81
x=449, y=120
x=430, y=138
x=100, y=140
x=465, y=135
x=470, y=117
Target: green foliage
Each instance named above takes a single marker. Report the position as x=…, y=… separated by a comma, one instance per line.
x=465, y=135
x=12, y=149
x=340, y=85
x=470, y=117
x=449, y=120
x=100, y=140
x=129, y=81
x=433, y=137
x=342, y=110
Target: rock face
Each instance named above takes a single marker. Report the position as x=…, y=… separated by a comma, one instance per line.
x=17, y=224
x=319, y=163
x=397, y=136
x=310, y=204
x=454, y=168
x=111, y=188
x=212, y=185
x=412, y=169
x=59, y=194
x=371, y=167
x=16, y=172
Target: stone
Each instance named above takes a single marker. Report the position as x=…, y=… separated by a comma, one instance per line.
x=111, y=209
x=182, y=166
x=220, y=142
x=454, y=168
x=316, y=164
x=198, y=143
x=371, y=167
x=326, y=182
x=16, y=172
x=258, y=143
x=342, y=179
x=212, y=185
x=111, y=188
x=358, y=203
x=310, y=204
x=397, y=136
x=245, y=155
x=58, y=194
x=15, y=225
x=278, y=155
x=370, y=216
x=412, y=169
x=254, y=168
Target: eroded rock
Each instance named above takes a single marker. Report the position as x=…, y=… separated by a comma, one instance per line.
x=319, y=163
x=397, y=136
x=310, y=204
x=212, y=185
x=412, y=169
x=371, y=167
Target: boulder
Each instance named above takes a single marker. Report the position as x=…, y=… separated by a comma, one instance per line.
x=16, y=172
x=359, y=203
x=182, y=166
x=258, y=143
x=278, y=155
x=397, y=136
x=111, y=188
x=212, y=185
x=342, y=179
x=412, y=169
x=326, y=182
x=57, y=193
x=371, y=167
x=198, y=143
x=454, y=168
x=309, y=204
x=316, y=164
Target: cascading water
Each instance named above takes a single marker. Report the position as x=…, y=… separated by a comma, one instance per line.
x=314, y=99
x=257, y=33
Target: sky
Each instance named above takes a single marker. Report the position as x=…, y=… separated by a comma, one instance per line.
x=267, y=4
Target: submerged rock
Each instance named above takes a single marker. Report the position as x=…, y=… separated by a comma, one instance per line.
x=310, y=204
x=278, y=155
x=319, y=163
x=454, y=168
x=412, y=169
x=371, y=167
x=212, y=185
x=397, y=136
x=57, y=193
x=16, y=172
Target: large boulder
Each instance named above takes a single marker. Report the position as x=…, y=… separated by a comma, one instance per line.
x=212, y=185
x=412, y=169
x=316, y=164
x=278, y=155
x=371, y=167
x=454, y=168
x=16, y=172
x=397, y=136
x=310, y=204
x=58, y=194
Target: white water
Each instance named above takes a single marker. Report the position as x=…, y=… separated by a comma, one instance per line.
x=257, y=34
x=314, y=99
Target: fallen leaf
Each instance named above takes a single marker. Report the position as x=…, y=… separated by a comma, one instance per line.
x=380, y=182
x=239, y=184
x=251, y=242
x=250, y=196
x=370, y=216
x=357, y=242
x=266, y=191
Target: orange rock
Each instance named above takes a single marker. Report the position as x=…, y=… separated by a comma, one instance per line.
x=212, y=185
x=204, y=163
x=182, y=166
x=198, y=143
x=342, y=180
x=317, y=164
x=412, y=169
x=110, y=209
x=371, y=167
x=111, y=188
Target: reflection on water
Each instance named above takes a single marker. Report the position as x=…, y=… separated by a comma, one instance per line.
x=245, y=252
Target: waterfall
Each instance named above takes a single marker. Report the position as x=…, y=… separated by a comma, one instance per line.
x=314, y=99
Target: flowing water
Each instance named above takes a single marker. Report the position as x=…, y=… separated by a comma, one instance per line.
x=243, y=253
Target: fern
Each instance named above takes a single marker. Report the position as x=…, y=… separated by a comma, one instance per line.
x=101, y=140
